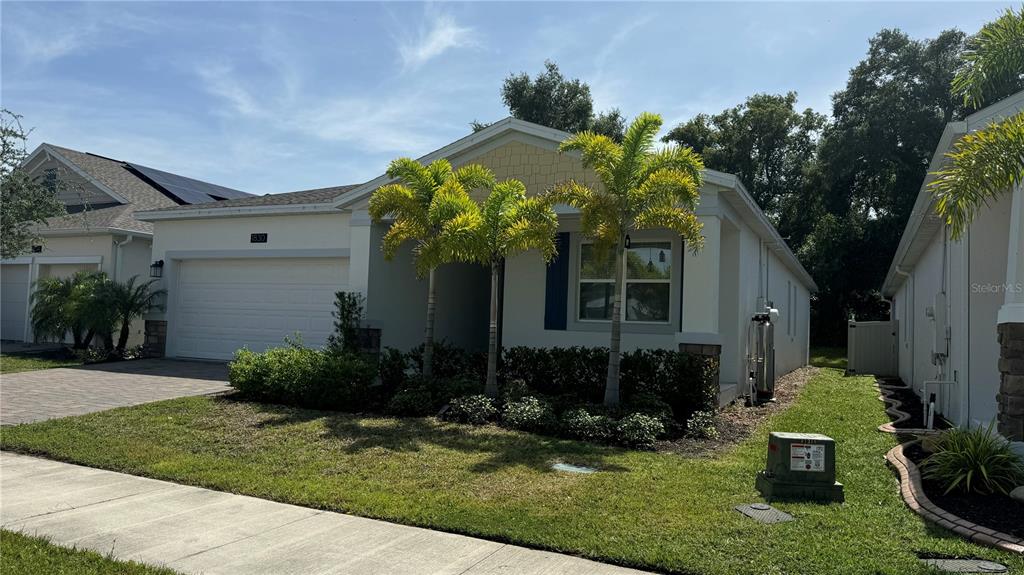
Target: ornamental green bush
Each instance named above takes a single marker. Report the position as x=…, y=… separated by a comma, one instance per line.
x=412, y=402
x=581, y=424
x=302, y=376
x=702, y=425
x=529, y=414
x=472, y=409
x=639, y=431
x=974, y=460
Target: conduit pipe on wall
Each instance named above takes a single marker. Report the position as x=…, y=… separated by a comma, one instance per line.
x=117, y=255
x=910, y=317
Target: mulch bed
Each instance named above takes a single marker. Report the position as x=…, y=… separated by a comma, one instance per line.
x=995, y=511
x=737, y=422
x=911, y=404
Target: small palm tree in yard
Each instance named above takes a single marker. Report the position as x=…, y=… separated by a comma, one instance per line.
x=128, y=301
x=430, y=206
x=511, y=223
x=68, y=305
x=641, y=188
x=989, y=162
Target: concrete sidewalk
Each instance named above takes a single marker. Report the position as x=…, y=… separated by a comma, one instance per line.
x=195, y=530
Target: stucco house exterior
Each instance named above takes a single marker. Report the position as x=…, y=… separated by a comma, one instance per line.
x=959, y=305
x=254, y=270
x=100, y=232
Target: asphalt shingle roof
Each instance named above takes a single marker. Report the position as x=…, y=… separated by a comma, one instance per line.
x=117, y=217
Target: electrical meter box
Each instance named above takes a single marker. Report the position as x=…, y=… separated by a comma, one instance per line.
x=800, y=466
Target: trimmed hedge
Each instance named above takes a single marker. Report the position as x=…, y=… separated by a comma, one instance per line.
x=302, y=376
x=686, y=383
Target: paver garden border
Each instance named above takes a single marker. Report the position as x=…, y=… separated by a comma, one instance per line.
x=913, y=493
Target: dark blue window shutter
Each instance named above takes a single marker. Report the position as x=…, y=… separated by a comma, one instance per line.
x=556, y=289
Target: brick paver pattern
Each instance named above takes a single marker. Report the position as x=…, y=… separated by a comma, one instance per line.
x=52, y=393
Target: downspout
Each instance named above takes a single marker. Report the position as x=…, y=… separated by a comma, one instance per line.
x=910, y=316
x=117, y=255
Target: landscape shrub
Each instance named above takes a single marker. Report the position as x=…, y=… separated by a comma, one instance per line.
x=302, y=376
x=581, y=424
x=392, y=367
x=685, y=382
x=529, y=414
x=639, y=431
x=702, y=425
x=412, y=401
x=513, y=390
x=649, y=404
x=450, y=362
x=472, y=409
x=974, y=460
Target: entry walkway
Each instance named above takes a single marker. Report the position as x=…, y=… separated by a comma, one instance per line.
x=194, y=530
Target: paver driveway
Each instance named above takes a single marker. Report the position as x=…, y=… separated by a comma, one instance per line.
x=52, y=393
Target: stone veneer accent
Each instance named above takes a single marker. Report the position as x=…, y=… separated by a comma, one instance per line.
x=156, y=338
x=1011, y=383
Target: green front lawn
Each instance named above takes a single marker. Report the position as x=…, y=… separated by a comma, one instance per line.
x=828, y=357
x=653, y=510
x=26, y=555
x=16, y=363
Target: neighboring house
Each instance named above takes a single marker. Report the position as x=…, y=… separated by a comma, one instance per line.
x=952, y=300
x=249, y=272
x=100, y=232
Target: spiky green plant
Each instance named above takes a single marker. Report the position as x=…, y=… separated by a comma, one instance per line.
x=641, y=188
x=987, y=163
x=128, y=301
x=69, y=305
x=430, y=207
x=511, y=223
x=974, y=460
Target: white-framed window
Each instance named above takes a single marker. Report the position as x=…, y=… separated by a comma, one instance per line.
x=648, y=288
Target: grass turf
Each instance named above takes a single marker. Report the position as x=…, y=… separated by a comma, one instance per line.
x=24, y=555
x=652, y=510
x=829, y=357
x=16, y=363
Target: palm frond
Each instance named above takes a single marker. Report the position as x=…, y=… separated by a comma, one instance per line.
x=570, y=193
x=994, y=58
x=681, y=158
x=418, y=178
x=636, y=146
x=983, y=165
x=401, y=231
x=597, y=151
x=440, y=170
x=682, y=221
x=474, y=177
x=394, y=201
x=666, y=187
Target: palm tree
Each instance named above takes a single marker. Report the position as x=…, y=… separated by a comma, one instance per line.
x=62, y=305
x=641, y=188
x=431, y=207
x=989, y=162
x=512, y=223
x=128, y=301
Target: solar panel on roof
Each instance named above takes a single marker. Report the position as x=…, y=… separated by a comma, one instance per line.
x=186, y=189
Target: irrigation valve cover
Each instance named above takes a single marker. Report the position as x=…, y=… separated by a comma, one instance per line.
x=800, y=466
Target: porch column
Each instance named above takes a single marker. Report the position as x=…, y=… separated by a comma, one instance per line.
x=361, y=228
x=1011, y=329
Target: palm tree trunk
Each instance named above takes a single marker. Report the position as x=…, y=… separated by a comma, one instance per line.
x=122, y=338
x=611, y=386
x=428, y=336
x=491, y=387
x=87, y=340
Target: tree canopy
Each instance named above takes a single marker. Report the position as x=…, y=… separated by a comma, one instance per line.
x=550, y=99
x=27, y=201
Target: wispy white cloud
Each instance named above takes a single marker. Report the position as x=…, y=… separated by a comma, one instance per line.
x=220, y=80
x=438, y=34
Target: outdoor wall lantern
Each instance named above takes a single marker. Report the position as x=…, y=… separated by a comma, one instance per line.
x=627, y=241
x=157, y=269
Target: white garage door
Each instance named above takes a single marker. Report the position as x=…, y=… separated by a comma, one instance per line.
x=224, y=305
x=13, y=301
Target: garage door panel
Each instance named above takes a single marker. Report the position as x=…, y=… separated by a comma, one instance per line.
x=224, y=305
x=13, y=301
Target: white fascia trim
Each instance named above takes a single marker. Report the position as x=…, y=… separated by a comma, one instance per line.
x=20, y=260
x=924, y=206
x=476, y=138
x=239, y=211
x=63, y=233
x=68, y=260
x=767, y=230
x=50, y=152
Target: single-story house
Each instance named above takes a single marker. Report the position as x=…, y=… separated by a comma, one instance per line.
x=954, y=302
x=250, y=271
x=100, y=232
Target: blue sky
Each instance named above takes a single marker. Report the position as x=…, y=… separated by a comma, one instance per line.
x=273, y=97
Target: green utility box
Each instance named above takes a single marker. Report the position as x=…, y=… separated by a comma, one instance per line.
x=800, y=466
